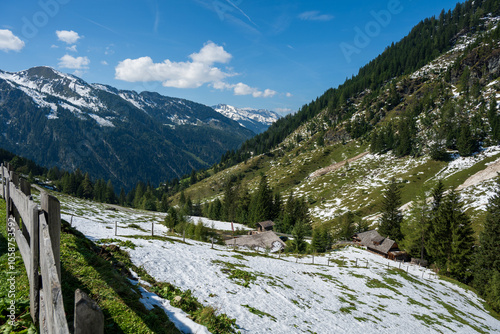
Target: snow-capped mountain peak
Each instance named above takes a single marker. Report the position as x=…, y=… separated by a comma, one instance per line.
x=257, y=120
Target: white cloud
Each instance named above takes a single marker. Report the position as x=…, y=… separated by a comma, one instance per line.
x=289, y=94
x=315, y=15
x=103, y=62
x=189, y=74
x=75, y=63
x=243, y=89
x=72, y=48
x=68, y=36
x=211, y=53
x=9, y=41
x=200, y=70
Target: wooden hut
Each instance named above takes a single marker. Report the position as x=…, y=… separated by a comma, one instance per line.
x=265, y=226
x=376, y=243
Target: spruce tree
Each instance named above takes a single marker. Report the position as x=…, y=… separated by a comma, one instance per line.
x=390, y=222
x=462, y=240
x=416, y=228
x=299, y=234
x=487, y=259
x=262, y=202
x=87, y=187
x=466, y=144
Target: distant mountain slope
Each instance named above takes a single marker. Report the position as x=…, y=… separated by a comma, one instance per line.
x=58, y=119
x=257, y=120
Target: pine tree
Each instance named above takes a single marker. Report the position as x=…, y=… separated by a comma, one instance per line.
x=487, y=259
x=171, y=219
x=462, y=241
x=451, y=236
x=466, y=144
x=299, y=232
x=346, y=226
x=492, y=294
x=262, y=201
x=122, y=198
x=316, y=243
x=416, y=228
x=87, y=187
x=110, y=193
x=390, y=222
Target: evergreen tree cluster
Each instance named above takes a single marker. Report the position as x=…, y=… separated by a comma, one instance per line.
x=441, y=232
x=239, y=205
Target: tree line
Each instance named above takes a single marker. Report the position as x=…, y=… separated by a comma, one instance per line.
x=439, y=231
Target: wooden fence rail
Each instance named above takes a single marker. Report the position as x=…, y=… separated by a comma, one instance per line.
x=37, y=233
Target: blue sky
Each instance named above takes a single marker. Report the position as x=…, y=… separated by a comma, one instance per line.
x=272, y=54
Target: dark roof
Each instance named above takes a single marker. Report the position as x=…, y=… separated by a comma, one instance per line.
x=369, y=238
x=378, y=239
x=267, y=223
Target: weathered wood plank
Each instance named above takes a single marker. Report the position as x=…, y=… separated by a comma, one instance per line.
x=25, y=187
x=22, y=204
x=3, y=180
x=52, y=293
x=22, y=244
x=35, y=261
x=52, y=209
x=88, y=315
x=14, y=178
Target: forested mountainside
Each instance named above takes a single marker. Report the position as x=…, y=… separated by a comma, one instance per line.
x=59, y=120
x=418, y=124
x=424, y=43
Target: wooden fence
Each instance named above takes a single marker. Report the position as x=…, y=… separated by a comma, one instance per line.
x=37, y=233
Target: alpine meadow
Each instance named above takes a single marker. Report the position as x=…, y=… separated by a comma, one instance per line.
x=259, y=208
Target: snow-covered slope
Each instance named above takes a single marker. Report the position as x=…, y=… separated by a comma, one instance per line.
x=347, y=291
x=257, y=120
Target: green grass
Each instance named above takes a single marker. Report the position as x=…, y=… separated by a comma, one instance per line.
x=239, y=276
x=259, y=313
x=121, y=243
x=23, y=319
x=104, y=279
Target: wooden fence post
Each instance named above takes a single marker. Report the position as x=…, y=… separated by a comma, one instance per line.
x=7, y=197
x=152, y=229
x=88, y=315
x=52, y=208
x=25, y=187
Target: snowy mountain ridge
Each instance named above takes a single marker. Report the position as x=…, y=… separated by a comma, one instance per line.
x=257, y=120
x=58, y=119
x=44, y=83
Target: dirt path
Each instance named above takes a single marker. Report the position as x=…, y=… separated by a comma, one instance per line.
x=488, y=173
x=334, y=167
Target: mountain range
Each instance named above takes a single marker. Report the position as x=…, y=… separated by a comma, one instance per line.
x=257, y=120
x=58, y=119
